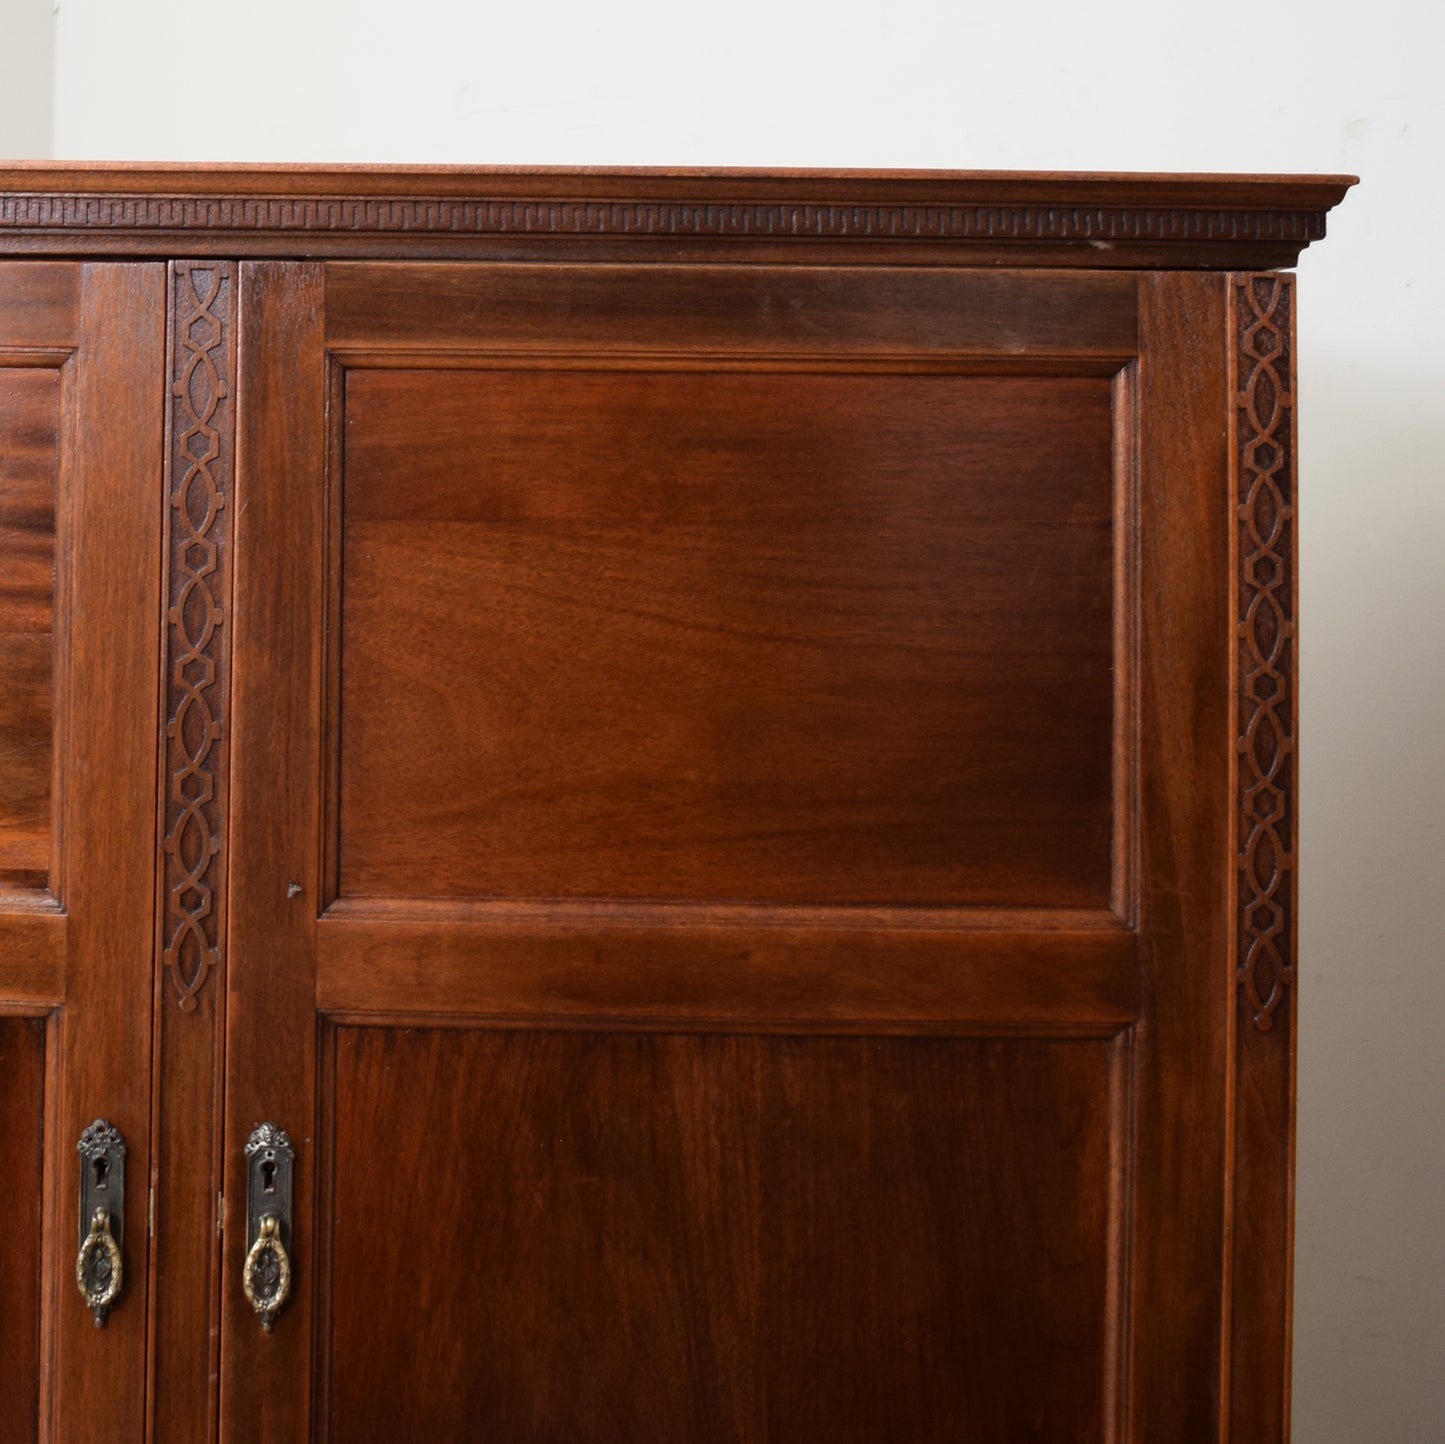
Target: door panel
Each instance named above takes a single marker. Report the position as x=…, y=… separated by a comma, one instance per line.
x=605, y=1234
x=696, y=883
x=29, y=473
x=22, y=1135
x=80, y=447
x=693, y=636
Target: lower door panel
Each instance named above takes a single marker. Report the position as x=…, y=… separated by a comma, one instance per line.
x=576, y=1235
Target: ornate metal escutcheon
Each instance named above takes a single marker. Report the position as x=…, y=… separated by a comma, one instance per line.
x=99, y=1271
x=270, y=1157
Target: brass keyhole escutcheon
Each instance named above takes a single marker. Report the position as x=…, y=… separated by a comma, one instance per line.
x=99, y=1268
x=266, y=1277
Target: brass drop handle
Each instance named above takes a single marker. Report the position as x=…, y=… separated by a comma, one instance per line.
x=98, y=1271
x=267, y=1279
x=98, y=1268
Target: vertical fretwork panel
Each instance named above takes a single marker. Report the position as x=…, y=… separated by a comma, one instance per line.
x=191, y=895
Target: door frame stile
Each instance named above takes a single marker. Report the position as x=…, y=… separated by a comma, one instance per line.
x=191, y=855
x=275, y=869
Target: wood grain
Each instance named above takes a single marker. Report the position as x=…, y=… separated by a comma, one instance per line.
x=109, y=684
x=275, y=824
x=1263, y=453
x=32, y=951
x=83, y=951
x=745, y=312
x=22, y=1114
x=758, y=862
x=1185, y=743
x=38, y=300
x=189, y=1082
x=719, y=636
x=707, y=972
x=29, y=467
x=612, y=1238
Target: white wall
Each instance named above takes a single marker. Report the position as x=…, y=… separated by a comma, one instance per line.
x=1114, y=84
x=27, y=78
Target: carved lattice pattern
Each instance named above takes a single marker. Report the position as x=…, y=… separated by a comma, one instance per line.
x=200, y=459
x=1264, y=439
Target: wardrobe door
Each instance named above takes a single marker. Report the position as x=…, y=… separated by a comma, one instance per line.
x=81, y=356
x=730, y=855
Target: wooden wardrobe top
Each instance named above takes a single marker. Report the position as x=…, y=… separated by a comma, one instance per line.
x=899, y=217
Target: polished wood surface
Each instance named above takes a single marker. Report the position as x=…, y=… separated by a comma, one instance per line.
x=29, y=467
x=717, y=746
x=1263, y=449
x=720, y=967
x=275, y=780
x=903, y=498
x=189, y=1024
x=728, y=1238
x=698, y=636
x=1181, y=1142
x=79, y=452
x=22, y=1115
x=902, y=317
x=110, y=724
x=986, y=218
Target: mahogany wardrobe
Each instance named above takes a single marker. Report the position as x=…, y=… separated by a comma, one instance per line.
x=647, y=807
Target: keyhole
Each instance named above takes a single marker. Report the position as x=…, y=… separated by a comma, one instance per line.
x=102, y=1174
x=268, y=1175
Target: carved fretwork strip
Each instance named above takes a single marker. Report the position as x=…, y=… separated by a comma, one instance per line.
x=199, y=460
x=1264, y=462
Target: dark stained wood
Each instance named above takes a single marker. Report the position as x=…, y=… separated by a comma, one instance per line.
x=1185, y=739
x=22, y=1113
x=275, y=822
x=191, y=855
x=26, y=760
x=108, y=679
x=38, y=326
x=748, y=832
x=713, y=968
x=1263, y=451
x=738, y=315
x=725, y=1238
x=32, y=951
x=38, y=303
x=888, y=217
x=698, y=636
x=29, y=461
x=1050, y=970
x=449, y=467
x=79, y=450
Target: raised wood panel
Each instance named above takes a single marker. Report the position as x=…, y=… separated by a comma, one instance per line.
x=617, y=1238
x=787, y=638
x=29, y=462
x=39, y=303
x=22, y=1113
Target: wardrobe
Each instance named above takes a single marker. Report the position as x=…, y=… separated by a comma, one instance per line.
x=647, y=806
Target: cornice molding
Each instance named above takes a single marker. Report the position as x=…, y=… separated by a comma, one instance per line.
x=1193, y=221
